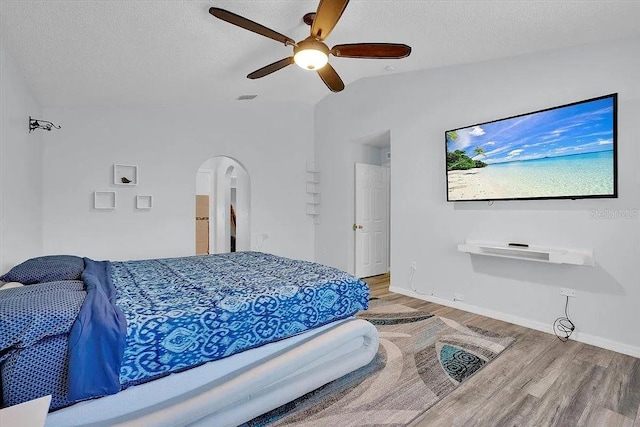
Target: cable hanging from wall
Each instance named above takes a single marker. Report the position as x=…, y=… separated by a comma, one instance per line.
x=41, y=124
x=563, y=327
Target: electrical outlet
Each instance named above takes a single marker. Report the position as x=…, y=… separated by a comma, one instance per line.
x=568, y=292
x=458, y=297
x=414, y=266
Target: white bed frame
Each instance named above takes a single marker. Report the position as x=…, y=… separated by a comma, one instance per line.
x=231, y=391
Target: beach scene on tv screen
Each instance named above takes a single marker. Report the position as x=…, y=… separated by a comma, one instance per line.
x=563, y=152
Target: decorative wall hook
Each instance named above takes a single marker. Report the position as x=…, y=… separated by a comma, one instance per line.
x=41, y=124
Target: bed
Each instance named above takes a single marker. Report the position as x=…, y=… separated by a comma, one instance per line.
x=208, y=340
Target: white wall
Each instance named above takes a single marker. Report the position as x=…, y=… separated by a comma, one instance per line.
x=203, y=182
x=418, y=107
x=20, y=167
x=169, y=145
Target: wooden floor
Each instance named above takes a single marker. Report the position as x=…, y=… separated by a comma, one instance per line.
x=538, y=381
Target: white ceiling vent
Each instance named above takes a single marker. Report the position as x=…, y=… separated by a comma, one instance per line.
x=246, y=97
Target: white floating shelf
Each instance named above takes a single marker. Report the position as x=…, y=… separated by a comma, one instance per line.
x=311, y=167
x=313, y=199
x=144, y=202
x=125, y=175
x=104, y=199
x=312, y=209
x=313, y=187
x=313, y=192
x=530, y=253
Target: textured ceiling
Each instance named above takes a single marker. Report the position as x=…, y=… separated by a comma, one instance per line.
x=114, y=53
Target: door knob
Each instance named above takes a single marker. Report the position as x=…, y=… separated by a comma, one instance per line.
x=356, y=227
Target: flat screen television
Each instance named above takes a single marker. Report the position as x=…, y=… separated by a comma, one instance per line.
x=566, y=152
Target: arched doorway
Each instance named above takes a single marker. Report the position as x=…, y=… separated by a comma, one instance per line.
x=223, y=206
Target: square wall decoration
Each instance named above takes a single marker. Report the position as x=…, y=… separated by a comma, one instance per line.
x=125, y=174
x=104, y=199
x=144, y=202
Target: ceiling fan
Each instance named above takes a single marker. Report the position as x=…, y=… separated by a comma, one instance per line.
x=312, y=53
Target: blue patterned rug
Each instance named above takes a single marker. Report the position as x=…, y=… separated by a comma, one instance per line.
x=421, y=359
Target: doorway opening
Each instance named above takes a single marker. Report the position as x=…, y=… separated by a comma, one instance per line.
x=372, y=202
x=223, y=207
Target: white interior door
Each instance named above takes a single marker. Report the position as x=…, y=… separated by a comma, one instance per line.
x=371, y=225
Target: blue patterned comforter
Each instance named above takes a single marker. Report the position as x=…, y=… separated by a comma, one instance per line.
x=182, y=312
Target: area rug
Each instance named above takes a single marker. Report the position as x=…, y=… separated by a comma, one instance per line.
x=421, y=359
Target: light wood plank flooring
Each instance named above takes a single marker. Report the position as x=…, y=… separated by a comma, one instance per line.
x=538, y=381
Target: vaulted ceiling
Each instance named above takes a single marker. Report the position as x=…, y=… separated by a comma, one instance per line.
x=114, y=53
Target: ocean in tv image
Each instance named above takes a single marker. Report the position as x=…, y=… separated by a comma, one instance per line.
x=562, y=152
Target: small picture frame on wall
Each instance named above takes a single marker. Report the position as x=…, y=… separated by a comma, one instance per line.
x=104, y=199
x=144, y=202
x=125, y=174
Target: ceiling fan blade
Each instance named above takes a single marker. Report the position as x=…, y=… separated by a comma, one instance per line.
x=327, y=16
x=331, y=78
x=371, y=50
x=247, y=24
x=271, y=68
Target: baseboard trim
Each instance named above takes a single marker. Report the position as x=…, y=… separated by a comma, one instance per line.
x=521, y=321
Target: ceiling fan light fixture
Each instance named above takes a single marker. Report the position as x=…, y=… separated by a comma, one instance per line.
x=311, y=54
x=311, y=59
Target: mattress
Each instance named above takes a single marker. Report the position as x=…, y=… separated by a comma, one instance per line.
x=233, y=390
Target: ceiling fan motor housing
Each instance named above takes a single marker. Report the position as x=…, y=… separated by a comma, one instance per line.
x=310, y=46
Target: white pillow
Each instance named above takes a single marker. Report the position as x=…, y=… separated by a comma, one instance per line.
x=10, y=285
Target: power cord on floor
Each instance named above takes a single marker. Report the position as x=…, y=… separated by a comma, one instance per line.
x=563, y=327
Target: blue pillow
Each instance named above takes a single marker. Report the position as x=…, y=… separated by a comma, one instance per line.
x=49, y=268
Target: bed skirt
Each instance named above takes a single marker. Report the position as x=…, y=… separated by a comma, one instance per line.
x=294, y=369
